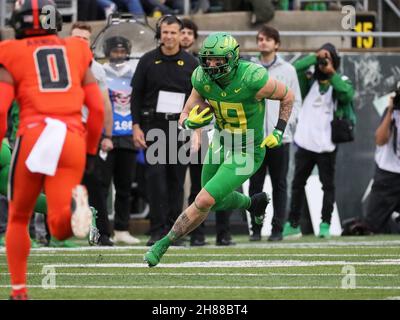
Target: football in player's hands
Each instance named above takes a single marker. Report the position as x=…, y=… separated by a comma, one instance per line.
x=202, y=106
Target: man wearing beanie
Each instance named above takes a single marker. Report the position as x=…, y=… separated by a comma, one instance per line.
x=324, y=92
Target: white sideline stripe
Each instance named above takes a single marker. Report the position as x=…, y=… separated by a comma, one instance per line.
x=224, y=264
x=179, y=274
x=393, y=244
x=229, y=264
x=212, y=287
x=216, y=255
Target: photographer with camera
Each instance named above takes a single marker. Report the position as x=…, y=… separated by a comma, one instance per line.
x=385, y=193
x=327, y=97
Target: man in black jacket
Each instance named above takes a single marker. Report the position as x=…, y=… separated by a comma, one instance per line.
x=160, y=87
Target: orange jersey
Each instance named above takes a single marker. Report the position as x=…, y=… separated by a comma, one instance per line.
x=48, y=73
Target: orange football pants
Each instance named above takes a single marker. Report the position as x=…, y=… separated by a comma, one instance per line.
x=25, y=187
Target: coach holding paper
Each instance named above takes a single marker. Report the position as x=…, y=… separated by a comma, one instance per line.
x=160, y=87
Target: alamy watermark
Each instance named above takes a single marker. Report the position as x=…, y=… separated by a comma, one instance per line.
x=349, y=19
x=49, y=280
x=176, y=147
x=48, y=17
x=349, y=280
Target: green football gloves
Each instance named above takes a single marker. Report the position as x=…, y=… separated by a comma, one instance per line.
x=197, y=120
x=273, y=140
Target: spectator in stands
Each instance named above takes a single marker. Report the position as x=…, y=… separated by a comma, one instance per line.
x=325, y=92
x=200, y=6
x=161, y=84
x=277, y=159
x=385, y=193
x=162, y=7
x=109, y=7
x=316, y=6
x=87, y=10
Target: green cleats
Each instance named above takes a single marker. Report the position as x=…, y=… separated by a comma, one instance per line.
x=154, y=255
x=94, y=234
x=324, y=230
x=290, y=232
x=35, y=244
x=54, y=243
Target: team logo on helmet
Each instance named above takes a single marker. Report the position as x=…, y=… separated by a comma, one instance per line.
x=221, y=46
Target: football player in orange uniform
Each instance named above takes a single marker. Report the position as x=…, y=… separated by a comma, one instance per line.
x=51, y=80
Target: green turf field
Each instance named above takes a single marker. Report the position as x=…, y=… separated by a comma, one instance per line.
x=308, y=268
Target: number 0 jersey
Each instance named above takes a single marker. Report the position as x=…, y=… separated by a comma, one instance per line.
x=48, y=73
x=235, y=106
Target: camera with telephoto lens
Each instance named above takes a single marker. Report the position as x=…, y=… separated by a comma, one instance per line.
x=322, y=61
x=396, y=99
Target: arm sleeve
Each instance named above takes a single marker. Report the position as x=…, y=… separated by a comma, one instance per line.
x=138, y=91
x=301, y=67
x=94, y=102
x=343, y=88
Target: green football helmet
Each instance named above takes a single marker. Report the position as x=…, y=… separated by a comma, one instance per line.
x=219, y=45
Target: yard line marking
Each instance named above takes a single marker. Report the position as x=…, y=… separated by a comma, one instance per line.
x=210, y=287
x=215, y=255
x=222, y=264
x=180, y=274
x=228, y=264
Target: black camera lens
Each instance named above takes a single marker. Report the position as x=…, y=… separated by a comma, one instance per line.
x=322, y=62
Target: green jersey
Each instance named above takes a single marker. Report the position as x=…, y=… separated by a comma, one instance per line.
x=235, y=107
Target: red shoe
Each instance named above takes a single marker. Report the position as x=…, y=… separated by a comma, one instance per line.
x=20, y=296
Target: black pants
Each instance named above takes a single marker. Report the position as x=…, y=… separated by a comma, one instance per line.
x=304, y=163
x=165, y=195
x=119, y=167
x=195, y=187
x=97, y=199
x=164, y=180
x=277, y=162
x=384, y=200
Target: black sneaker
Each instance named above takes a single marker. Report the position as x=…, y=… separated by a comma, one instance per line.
x=255, y=237
x=197, y=242
x=259, y=203
x=225, y=242
x=105, y=241
x=275, y=236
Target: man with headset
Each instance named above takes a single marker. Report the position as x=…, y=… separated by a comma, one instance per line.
x=160, y=87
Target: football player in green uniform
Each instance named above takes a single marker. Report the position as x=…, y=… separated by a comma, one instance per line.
x=236, y=91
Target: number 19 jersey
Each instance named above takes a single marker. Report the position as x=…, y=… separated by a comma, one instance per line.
x=235, y=107
x=48, y=73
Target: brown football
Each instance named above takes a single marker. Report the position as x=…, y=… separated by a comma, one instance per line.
x=203, y=105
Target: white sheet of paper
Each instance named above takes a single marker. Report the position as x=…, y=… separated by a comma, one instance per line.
x=170, y=102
